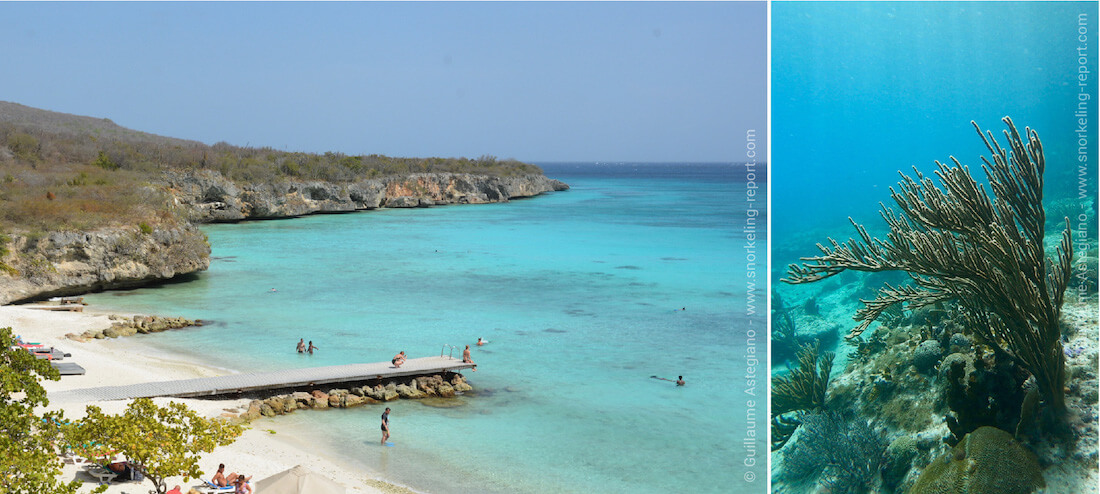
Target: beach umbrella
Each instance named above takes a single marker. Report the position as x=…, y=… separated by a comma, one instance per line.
x=298, y=480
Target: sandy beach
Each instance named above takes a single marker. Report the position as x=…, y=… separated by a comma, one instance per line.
x=258, y=452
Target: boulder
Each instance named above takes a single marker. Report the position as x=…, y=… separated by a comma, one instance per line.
x=253, y=411
x=353, y=400
x=266, y=410
x=390, y=394
x=445, y=390
x=377, y=393
x=406, y=391
x=276, y=404
x=303, y=399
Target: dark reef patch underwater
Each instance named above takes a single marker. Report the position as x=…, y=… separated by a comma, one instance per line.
x=973, y=363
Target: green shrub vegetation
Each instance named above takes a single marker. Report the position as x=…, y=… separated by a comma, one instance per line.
x=65, y=172
x=162, y=442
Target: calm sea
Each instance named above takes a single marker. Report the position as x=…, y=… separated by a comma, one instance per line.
x=577, y=293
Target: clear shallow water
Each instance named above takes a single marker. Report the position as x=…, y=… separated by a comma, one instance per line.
x=575, y=291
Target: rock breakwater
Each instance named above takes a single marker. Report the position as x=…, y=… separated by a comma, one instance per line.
x=421, y=387
x=127, y=326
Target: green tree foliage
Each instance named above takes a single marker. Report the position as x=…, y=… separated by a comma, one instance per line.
x=29, y=463
x=103, y=161
x=160, y=441
x=24, y=145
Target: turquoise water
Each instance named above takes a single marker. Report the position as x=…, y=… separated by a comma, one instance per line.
x=576, y=293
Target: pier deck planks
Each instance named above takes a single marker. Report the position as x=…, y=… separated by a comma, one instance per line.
x=244, y=383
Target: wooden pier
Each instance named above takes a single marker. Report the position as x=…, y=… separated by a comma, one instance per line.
x=259, y=381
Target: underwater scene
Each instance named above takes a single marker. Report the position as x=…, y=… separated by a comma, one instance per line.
x=934, y=254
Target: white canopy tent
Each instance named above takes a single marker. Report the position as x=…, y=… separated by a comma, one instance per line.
x=298, y=480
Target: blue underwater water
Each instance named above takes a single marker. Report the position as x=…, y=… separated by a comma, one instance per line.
x=861, y=90
x=577, y=293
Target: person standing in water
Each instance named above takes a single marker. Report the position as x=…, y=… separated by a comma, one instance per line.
x=312, y=348
x=385, y=425
x=301, y=345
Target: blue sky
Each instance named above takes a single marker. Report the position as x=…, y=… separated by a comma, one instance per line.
x=574, y=81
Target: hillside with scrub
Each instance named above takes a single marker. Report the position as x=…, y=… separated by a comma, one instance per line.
x=86, y=204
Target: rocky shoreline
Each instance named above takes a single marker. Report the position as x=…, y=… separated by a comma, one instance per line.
x=39, y=266
x=60, y=264
x=212, y=198
x=127, y=326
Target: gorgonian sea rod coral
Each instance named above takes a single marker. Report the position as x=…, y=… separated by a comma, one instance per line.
x=984, y=253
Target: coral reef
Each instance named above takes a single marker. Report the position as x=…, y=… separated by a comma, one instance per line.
x=987, y=461
x=985, y=254
x=927, y=355
x=803, y=389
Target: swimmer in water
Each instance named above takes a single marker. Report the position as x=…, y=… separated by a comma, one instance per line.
x=679, y=380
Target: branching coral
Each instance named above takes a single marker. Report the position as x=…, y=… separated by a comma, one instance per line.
x=985, y=253
x=803, y=389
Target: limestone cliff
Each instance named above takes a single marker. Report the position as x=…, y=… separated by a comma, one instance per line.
x=67, y=263
x=213, y=198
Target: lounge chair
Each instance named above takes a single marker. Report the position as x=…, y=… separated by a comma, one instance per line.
x=68, y=368
x=103, y=475
x=210, y=488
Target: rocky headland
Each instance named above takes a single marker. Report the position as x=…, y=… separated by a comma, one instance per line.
x=211, y=197
x=71, y=263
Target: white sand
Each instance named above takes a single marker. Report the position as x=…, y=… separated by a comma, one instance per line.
x=121, y=361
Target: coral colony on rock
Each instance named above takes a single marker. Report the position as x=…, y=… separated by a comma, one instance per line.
x=963, y=386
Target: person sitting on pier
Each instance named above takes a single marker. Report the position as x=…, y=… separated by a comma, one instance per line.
x=398, y=359
x=466, y=357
